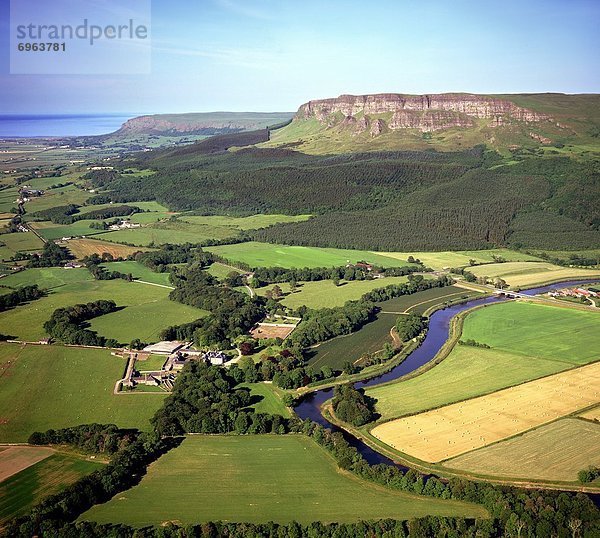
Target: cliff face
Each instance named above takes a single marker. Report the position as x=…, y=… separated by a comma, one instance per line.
x=423, y=112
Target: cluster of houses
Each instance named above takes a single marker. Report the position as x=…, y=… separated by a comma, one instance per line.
x=177, y=355
x=124, y=225
x=26, y=193
x=579, y=293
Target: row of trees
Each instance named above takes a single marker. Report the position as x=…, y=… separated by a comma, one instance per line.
x=21, y=295
x=96, y=438
x=68, y=324
x=93, y=264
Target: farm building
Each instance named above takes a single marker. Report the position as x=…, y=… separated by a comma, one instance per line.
x=164, y=347
x=215, y=357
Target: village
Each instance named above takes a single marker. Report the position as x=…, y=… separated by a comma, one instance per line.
x=584, y=295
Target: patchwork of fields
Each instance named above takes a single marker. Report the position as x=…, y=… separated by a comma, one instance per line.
x=446, y=432
x=258, y=479
x=524, y=274
x=136, y=319
x=545, y=453
x=44, y=387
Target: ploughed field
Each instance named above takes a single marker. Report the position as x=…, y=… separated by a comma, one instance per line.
x=259, y=479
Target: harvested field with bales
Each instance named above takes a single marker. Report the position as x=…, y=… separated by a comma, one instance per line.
x=545, y=453
x=527, y=274
x=454, y=429
x=80, y=248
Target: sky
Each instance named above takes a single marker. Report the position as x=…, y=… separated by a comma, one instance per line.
x=273, y=55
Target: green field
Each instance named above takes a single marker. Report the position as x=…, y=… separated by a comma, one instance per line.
x=19, y=242
x=253, y=222
x=151, y=364
x=139, y=271
x=528, y=341
x=372, y=337
x=267, y=255
x=258, y=479
x=50, y=231
x=462, y=258
x=544, y=453
x=147, y=308
x=44, y=387
x=21, y=491
x=220, y=270
x=268, y=399
x=325, y=294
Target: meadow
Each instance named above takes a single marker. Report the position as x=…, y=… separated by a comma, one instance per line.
x=325, y=294
x=258, y=479
x=527, y=341
x=457, y=428
x=51, y=231
x=372, y=336
x=220, y=270
x=545, y=453
x=257, y=254
x=253, y=222
x=267, y=399
x=139, y=271
x=527, y=274
x=146, y=309
x=28, y=487
x=43, y=387
x=19, y=242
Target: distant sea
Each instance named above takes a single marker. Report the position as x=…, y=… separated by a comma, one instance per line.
x=25, y=125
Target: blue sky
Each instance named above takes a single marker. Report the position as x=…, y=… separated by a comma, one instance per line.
x=273, y=55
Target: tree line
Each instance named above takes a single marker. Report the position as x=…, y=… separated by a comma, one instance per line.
x=21, y=295
x=52, y=255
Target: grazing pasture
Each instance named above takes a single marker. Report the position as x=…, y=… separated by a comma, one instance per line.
x=26, y=488
x=51, y=231
x=454, y=429
x=556, y=451
x=43, y=387
x=267, y=398
x=220, y=270
x=527, y=274
x=19, y=242
x=257, y=254
x=253, y=222
x=139, y=271
x=146, y=309
x=325, y=294
x=258, y=479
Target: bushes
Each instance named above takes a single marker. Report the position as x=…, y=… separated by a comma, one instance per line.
x=409, y=326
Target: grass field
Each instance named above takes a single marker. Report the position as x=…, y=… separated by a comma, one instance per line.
x=139, y=271
x=151, y=364
x=454, y=429
x=528, y=341
x=523, y=274
x=325, y=294
x=50, y=231
x=546, y=453
x=85, y=247
x=44, y=387
x=258, y=479
x=147, y=309
x=267, y=255
x=28, y=487
x=220, y=270
x=19, y=242
x=268, y=399
x=374, y=335
x=440, y=260
x=253, y=222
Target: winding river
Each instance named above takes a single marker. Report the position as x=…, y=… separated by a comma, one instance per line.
x=437, y=334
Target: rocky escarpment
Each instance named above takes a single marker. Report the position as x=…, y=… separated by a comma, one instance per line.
x=422, y=112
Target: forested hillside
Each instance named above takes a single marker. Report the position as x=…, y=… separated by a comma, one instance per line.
x=400, y=200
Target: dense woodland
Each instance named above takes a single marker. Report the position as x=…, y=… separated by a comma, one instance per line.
x=382, y=200
x=52, y=255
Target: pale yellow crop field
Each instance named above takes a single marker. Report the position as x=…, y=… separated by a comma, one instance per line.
x=530, y=273
x=592, y=414
x=454, y=429
x=556, y=452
